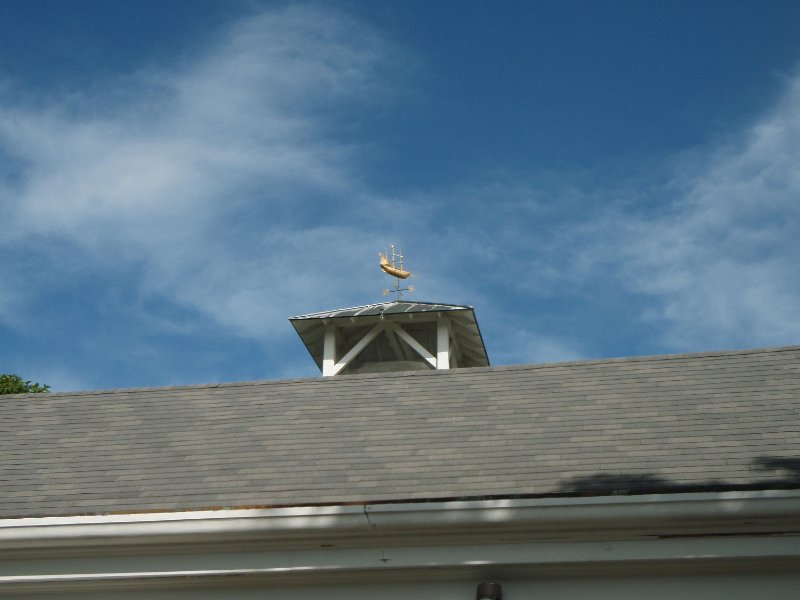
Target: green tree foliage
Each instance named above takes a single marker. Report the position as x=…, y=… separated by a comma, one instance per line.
x=14, y=384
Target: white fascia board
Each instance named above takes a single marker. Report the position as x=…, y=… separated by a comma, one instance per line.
x=409, y=562
x=542, y=514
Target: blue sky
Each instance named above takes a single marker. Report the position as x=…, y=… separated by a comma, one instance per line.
x=597, y=178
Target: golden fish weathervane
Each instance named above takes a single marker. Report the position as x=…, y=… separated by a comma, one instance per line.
x=394, y=268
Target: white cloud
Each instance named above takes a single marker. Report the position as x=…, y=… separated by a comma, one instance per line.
x=204, y=173
x=246, y=116
x=723, y=266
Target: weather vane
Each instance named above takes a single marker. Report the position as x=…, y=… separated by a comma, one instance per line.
x=394, y=268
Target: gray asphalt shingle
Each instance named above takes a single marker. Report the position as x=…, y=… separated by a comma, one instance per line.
x=720, y=420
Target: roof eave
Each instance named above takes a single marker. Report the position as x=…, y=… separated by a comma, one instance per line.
x=695, y=511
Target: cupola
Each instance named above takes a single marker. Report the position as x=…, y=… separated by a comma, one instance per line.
x=392, y=336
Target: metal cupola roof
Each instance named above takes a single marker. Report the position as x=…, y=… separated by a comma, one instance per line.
x=392, y=336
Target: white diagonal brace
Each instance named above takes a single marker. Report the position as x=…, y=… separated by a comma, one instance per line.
x=358, y=348
x=415, y=345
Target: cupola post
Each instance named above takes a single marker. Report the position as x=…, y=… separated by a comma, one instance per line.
x=442, y=342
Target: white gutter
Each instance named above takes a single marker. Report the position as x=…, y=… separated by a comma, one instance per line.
x=701, y=510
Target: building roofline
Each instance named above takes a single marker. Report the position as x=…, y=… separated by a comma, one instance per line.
x=431, y=373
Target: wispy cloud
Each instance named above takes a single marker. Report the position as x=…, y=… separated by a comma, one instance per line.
x=722, y=266
x=211, y=174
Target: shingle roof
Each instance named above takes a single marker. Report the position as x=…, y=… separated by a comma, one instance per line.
x=720, y=420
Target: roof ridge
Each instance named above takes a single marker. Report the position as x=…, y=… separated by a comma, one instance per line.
x=648, y=358
x=434, y=373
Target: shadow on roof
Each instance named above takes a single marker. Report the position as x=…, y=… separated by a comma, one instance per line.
x=787, y=476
